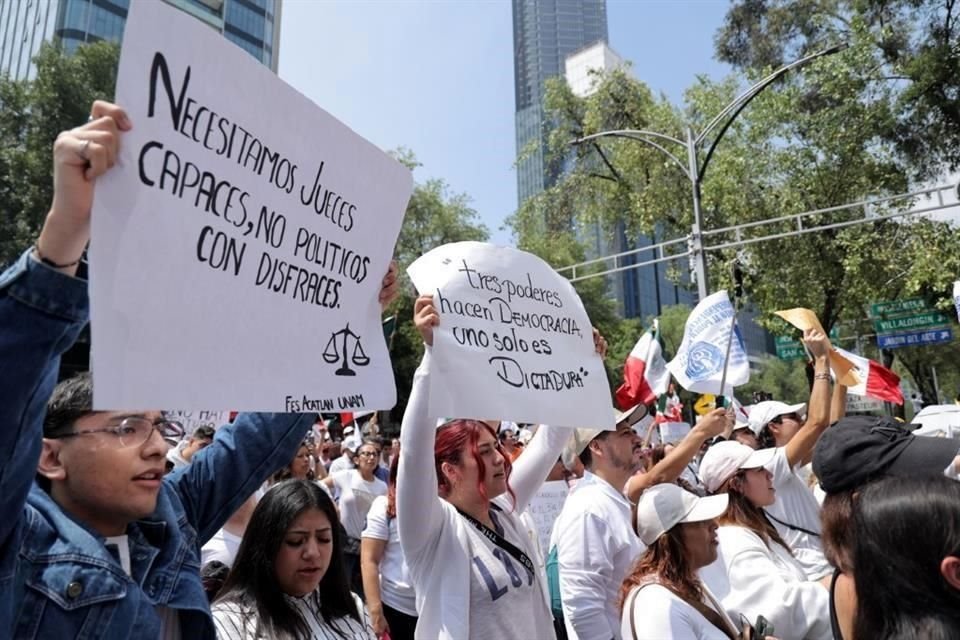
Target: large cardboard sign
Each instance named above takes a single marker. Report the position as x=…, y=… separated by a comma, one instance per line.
x=514, y=341
x=545, y=507
x=239, y=246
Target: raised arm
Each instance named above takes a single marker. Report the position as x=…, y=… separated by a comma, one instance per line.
x=419, y=513
x=673, y=464
x=838, y=402
x=800, y=448
x=43, y=309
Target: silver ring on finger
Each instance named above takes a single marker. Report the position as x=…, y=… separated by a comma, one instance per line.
x=82, y=152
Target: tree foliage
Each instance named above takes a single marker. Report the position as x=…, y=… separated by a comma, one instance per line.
x=32, y=113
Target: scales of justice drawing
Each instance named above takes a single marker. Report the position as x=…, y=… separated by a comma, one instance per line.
x=334, y=353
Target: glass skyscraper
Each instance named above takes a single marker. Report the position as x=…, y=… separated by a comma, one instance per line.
x=254, y=25
x=545, y=32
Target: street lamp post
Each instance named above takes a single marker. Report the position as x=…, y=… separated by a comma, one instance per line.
x=694, y=168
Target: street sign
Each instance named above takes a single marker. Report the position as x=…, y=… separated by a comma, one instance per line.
x=911, y=322
x=893, y=307
x=914, y=338
x=793, y=351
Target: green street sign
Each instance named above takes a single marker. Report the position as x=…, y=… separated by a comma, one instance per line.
x=909, y=323
x=893, y=307
x=784, y=340
x=791, y=351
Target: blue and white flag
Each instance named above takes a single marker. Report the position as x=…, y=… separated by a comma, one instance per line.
x=698, y=365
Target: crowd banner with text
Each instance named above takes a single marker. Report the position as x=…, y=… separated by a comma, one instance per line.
x=244, y=226
x=514, y=341
x=545, y=507
x=193, y=420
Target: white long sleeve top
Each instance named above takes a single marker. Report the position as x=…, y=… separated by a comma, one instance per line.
x=596, y=547
x=435, y=538
x=752, y=579
x=656, y=613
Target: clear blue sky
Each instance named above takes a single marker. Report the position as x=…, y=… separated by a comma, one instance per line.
x=437, y=77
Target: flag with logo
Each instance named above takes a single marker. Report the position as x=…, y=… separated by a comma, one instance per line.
x=875, y=380
x=645, y=374
x=698, y=365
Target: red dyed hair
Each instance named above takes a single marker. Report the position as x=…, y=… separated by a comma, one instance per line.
x=458, y=437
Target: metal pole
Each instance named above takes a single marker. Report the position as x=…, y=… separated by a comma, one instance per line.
x=936, y=385
x=699, y=256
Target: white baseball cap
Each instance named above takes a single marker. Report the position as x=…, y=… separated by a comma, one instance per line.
x=583, y=436
x=664, y=506
x=724, y=459
x=763, y=412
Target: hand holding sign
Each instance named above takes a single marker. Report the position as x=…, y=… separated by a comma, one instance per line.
x=425, y=317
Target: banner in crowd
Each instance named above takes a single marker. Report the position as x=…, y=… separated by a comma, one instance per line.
x=545, y=507
x=239, y=247
x=514, y=341
x=698, y=365
x=806, y=319
x=193, y=420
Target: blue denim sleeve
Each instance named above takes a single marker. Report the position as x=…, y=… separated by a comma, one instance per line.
x=42, y=311
x=241, y=458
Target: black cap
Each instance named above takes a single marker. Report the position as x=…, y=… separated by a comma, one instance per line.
x=858, y=449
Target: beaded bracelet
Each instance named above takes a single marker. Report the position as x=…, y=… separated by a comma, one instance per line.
x=49, y=262
x=821, y=376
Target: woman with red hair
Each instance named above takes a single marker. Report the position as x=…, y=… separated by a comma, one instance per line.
x=471, y=560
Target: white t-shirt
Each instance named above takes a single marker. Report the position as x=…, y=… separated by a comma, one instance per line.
x=233, y=622
x=356, y=498
x=396, y=586
x=658, y=614
x=222, y=547
x=341, y=464
x=795, y=505
x=505, y=599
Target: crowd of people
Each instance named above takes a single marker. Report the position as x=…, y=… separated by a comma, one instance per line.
x=798, y=523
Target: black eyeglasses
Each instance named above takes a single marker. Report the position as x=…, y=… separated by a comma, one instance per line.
x=368, y=454
x=134, y=431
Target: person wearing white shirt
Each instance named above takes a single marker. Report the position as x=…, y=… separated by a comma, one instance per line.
x=467, y=549
x=756, y=574
x=662, y=596
x=593, y=536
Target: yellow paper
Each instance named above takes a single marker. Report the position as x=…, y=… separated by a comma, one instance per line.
x=805, y=319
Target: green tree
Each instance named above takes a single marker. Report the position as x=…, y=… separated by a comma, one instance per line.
x=32, y=113
x=434, y=217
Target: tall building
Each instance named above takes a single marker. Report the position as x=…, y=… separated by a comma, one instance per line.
x=545, y=32
x=254, y=25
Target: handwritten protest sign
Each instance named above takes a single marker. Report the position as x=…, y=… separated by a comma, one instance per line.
x=243, y=226
x=192, y=420
x=514, y=341
x=545, y=507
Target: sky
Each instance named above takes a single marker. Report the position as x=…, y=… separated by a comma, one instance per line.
x=437, y=77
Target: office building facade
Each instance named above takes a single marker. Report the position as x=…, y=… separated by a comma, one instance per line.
x=545, y=32
x=25, y=25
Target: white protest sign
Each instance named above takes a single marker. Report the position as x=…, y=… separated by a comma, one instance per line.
x=673, y=432
x=243, y=226
x=192, y=420
x=514, y=341
x=545, y=507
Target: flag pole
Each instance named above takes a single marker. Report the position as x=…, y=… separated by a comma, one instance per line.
x=737, y=295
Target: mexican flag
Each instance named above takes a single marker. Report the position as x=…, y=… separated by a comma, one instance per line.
x=875, y=380
x=645, y=374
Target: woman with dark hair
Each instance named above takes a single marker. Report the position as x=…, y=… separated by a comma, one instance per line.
x=756, y=573
x=288, y=580
x=298, y=469
x=663, y=596
x=906, y=559
x=391, y=599
x=467, y=548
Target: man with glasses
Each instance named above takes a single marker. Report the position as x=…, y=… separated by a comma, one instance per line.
x=103, y=544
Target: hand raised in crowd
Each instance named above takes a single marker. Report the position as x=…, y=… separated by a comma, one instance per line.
x=817, y=343
x=80, y=155
x=389, y=285
x=714, y=423
x=599, y=343
x=425, y=317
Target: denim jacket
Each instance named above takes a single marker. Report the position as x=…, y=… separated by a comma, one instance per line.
x=57, y=578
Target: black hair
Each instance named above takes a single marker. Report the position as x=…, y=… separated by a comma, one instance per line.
x=586, y=457
x=204, y=432
x=905, y=527
x=252, y=582
x=765, y=438
x=71, y=400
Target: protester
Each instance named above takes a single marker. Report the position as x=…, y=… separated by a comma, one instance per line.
x=906, y=559
x=223, y=546
x=347, y=458
x=755, y=573
x=181, y=455
x=508, y=440
x=289, y=579
x=357, y=489
x=488, y=586
x=391, y=599
x=663, y=596
x=593, y=541
x=854, y=452
x=796, y=513
x=108, y=546
x=298, y=469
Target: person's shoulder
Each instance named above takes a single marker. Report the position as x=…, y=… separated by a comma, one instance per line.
x=735, y=537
